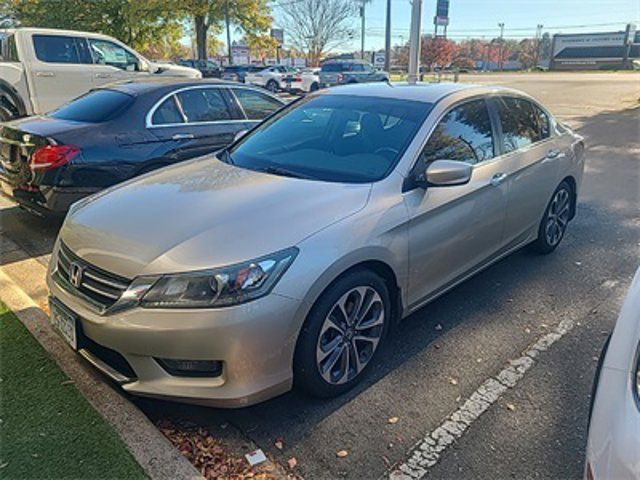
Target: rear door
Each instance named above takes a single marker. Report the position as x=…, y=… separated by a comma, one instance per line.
x=195, y=121
x=59, y=71
x=531, y=155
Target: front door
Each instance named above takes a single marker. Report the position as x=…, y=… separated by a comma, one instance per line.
x=454, y=229
x=113, y=62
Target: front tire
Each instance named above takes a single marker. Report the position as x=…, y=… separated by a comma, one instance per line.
x=343, y=333
x=555, y=220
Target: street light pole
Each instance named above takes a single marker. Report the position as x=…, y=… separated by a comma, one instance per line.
x=500, y=60
x=362, y=31
x=414, y=41
x=387, y=39
x=538, y=38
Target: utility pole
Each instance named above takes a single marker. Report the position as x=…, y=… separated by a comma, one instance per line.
x=629, y=35
x=414, y=41
x=538, y=38
x=387, y=39
x=500, y=60
x=362, y=30
x=226, y=20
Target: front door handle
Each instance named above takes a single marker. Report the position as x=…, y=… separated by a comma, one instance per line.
x=182, y=136
x=554, y=153
x=45, y=74
x=103, y=75
x=498, y=178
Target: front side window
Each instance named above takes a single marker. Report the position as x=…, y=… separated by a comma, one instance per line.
x=167, y=113
x=256, y=105
x=59, y=49
x=109, y=53
x=204, y=105
x=331, y=67
x=522, y=123
x=334, y=138
x=464, y=135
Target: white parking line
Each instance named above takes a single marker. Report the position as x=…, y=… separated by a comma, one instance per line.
x=428, y=451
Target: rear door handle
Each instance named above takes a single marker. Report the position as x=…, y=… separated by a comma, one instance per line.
x=103, y=75
x=498, y=178
x=182, y=136
x=45, y=74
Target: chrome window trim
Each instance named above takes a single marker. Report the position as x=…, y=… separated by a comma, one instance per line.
x=148, y=119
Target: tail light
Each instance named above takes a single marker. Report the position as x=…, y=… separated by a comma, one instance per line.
x=340, y=77
x=52, y=156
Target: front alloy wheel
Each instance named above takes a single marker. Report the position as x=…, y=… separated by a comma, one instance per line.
x=350, y=335
x=343, y=333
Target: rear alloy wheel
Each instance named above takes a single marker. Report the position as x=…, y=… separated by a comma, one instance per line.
x=342, y=335
x=272, y=86
x=556, y=218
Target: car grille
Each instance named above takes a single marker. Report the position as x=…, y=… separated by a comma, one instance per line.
x=101, y=288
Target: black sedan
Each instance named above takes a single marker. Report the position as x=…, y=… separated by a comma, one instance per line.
x=120, y=131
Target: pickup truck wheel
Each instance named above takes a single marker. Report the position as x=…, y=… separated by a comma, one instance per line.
x=5, y=114
x=272, y=86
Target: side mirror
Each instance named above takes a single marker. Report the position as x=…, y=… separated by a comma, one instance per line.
x=447, y=173
x=239, y=135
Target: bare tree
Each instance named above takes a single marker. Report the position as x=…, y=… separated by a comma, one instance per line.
x=317, y=26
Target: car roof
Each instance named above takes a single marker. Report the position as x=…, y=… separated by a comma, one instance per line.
x=421, y=91
x=142, y=86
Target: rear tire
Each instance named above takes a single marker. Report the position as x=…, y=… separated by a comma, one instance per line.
x=272, y=86
x=343, y=334
x=555, y=220
x=314, y=87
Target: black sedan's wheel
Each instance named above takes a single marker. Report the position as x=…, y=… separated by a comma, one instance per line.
x=555, y=220
x=343, y=333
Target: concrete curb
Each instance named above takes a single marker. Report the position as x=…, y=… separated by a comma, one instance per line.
x=155, y=454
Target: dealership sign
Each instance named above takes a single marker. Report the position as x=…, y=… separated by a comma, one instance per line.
x=588, y=40
x=442, y=13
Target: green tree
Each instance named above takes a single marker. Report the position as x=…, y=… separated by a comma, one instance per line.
x=135, y=23
x=249, y=16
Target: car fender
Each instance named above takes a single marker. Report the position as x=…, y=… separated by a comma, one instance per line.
x=13, y=85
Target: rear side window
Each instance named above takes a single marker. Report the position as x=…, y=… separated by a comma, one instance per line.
x=167, y=113
x=522, y=123
x=94, y=107
x=8, y=49
x=204, y=105
x=464, y=134
x=60, y=49
x=256, y=105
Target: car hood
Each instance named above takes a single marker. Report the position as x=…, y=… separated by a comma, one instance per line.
x=171, y=70
x=202, y=214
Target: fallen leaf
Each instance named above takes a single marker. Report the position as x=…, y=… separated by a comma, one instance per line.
x=511, y=406
x=438, y=327
x=292, y=462
x=436, y=346
x=279, y=444
x=4, y=465
x=393, y=420
x=67, y=382
x=342, y=453
x=453, y=381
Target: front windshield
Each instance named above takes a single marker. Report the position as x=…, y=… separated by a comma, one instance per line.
x=334, y=138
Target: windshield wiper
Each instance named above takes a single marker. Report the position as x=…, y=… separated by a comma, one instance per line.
x=285, y=173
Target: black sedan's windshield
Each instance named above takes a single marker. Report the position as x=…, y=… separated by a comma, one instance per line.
x=335, y=138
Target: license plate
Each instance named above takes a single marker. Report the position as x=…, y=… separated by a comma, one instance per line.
x=64, y=322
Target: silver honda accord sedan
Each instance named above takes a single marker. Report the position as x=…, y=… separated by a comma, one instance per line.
x=287, y=258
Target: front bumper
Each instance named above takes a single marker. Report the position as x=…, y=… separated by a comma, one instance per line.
x=255, y=341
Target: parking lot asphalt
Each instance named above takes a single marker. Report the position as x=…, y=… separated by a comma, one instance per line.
x=441, y=354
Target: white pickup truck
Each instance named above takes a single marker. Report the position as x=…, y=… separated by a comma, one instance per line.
x=41, y=69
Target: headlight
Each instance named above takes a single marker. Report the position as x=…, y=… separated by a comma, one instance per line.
x=219, y=287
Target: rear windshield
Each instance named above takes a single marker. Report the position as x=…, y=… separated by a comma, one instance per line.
x=332, y=67
x=94, y=107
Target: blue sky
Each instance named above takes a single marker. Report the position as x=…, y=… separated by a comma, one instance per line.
x=478, y=18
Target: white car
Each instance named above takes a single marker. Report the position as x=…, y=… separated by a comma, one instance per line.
x=613, y=447
x=306, y=81
x=271, y=77
x=42, y=69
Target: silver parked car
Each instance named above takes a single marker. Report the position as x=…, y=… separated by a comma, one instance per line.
x=613, y=446
x=288, y=257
